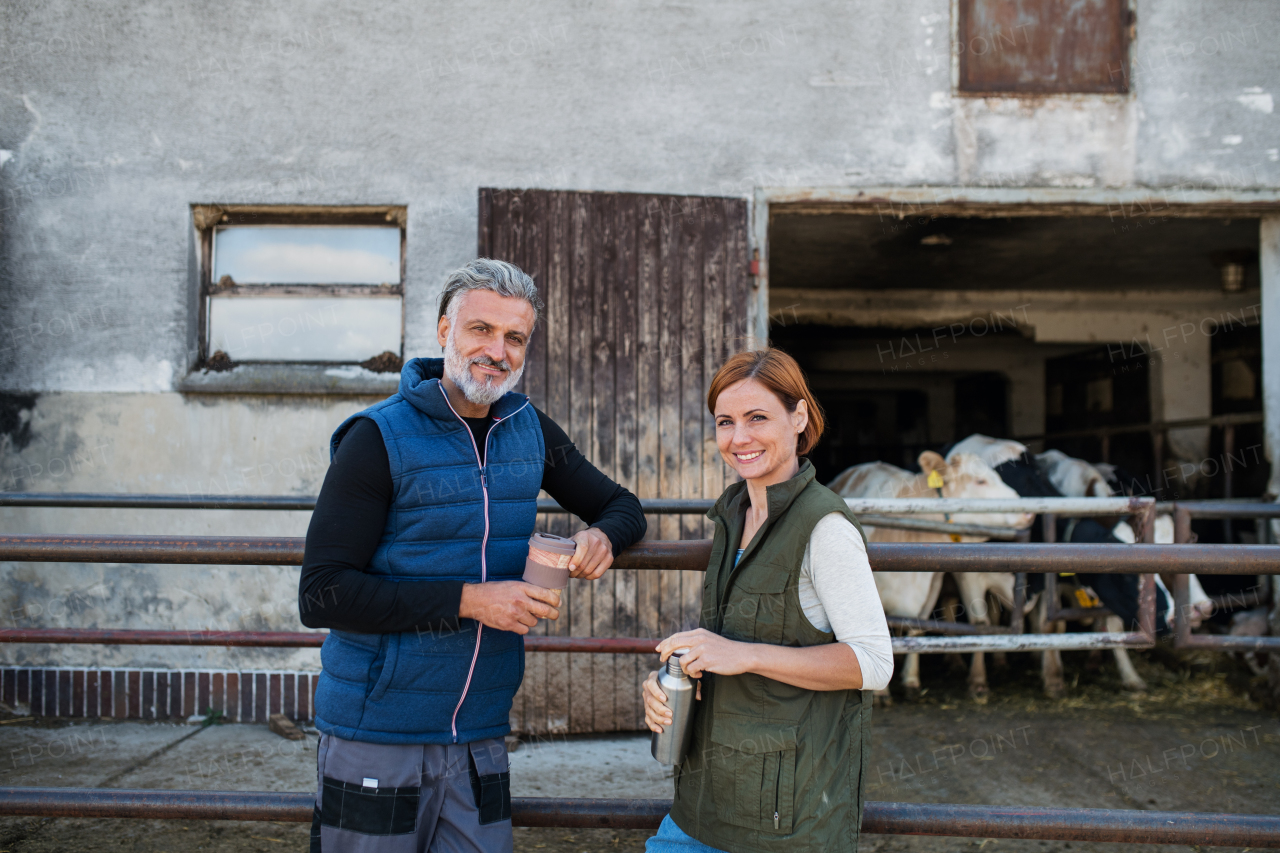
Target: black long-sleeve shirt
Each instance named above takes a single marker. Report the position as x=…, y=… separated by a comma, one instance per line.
x=335, y=591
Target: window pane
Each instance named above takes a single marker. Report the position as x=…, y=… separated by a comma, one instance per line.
x=299, y=328
x=307, y=255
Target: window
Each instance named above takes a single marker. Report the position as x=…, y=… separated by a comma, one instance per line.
x=301, y=285
x=1043, y=47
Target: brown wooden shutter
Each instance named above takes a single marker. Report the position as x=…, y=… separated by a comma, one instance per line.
x=646, y=297
x=1043, y=46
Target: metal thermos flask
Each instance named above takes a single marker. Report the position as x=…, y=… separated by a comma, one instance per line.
x=670, y=746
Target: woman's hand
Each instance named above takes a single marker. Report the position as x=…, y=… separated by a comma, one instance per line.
x=656, y=712
x=709, y=652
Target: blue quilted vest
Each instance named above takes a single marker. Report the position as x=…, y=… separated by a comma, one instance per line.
x=449, y=520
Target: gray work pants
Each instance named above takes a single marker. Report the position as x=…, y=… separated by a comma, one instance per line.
x=424, y=798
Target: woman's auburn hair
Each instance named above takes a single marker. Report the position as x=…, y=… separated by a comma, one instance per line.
x=778, y=372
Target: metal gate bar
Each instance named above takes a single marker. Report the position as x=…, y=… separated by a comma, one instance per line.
x=969, y=821
x=1182, y=515
x=975, y=641
x=687, y=555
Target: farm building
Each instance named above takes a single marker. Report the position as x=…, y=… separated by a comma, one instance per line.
x=224, y=227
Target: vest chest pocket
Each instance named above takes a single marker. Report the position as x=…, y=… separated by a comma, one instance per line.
x=753, y=776
x=756, y=611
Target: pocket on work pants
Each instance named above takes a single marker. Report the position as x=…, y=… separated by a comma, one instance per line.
x=491, y=780
x=369, y=796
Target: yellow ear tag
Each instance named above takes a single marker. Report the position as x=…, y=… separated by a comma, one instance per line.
x=1085, y=599
x=935, y=479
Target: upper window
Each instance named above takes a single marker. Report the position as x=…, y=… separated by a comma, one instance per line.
x=302, y=285
x=1043, y=47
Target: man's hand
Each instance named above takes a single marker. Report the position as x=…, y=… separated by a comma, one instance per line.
x=508, y=605
x=594, y=554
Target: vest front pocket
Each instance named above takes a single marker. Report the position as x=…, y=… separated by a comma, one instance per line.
x=753, y=776
x=388, y=667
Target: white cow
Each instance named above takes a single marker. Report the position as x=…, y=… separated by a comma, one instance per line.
x=1075, y=478
x=964, y=475
x=993, y=451
x=975, y=587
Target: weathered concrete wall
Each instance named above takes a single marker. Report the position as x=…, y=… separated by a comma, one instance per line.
x=170, y=444
x=117, y=118
x=114, y=119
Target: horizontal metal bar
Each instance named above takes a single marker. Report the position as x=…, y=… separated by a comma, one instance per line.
x=1004, y=534
x=942, y=626
x=1096, y=825
x=657, y=506
x=944, y=819
x=969, y=638
x=126, y=637
x=1057, y=506
x=1084, y=640
x=688, y=555
x=1235, y=419
x=125, y=501
x=288, y=639
x=1227, y=643
x=1229, y=509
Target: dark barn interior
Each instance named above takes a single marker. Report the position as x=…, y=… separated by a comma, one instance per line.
x=878, y=414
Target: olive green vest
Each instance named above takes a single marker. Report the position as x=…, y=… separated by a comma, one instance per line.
x=772, y=767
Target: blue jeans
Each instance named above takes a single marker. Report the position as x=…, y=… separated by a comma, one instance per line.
x=671, y=839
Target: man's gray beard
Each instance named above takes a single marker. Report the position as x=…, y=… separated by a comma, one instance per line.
x=478, y=392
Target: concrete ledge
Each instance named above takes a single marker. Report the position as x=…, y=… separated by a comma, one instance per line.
x=327, y=379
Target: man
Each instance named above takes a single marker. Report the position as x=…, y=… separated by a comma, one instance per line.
x=413, y=561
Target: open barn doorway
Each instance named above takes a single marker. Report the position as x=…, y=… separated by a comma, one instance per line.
x=1069, y=331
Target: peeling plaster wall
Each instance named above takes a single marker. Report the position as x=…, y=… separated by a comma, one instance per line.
x=115, y=118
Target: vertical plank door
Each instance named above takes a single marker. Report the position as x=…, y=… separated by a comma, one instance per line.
x=646, y=295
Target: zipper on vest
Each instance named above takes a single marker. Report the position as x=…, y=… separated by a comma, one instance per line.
x=484, y=542
x=777, y=795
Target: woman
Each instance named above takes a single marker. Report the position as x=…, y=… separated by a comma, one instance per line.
x=791, y=632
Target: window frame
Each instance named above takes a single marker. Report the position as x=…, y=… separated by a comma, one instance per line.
x=207, y=218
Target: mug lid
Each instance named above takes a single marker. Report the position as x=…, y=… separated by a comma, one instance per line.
x=551, y=542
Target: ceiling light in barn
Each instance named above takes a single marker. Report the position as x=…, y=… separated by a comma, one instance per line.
x=935, y=240
x=1232, y=277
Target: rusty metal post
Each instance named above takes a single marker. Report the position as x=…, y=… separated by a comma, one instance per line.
x=1181, y=525
x=1181, y=610
x=1049, y=532
x=1228, y=447
x=1019, y=602
x=1147, y=606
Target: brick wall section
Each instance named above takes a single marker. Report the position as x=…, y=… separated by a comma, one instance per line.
x=146, y=694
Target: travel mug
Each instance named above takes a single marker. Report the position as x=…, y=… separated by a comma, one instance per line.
x=547, y=565
x=671, y=745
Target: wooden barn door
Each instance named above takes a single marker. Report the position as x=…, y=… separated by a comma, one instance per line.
x=646, y=296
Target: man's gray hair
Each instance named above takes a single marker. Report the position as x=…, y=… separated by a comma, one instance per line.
x=500, y=277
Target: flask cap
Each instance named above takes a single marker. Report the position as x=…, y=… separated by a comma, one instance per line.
x=673, y=663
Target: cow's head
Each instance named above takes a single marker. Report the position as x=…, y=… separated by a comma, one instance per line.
x=967, y=476
x=1075, y=478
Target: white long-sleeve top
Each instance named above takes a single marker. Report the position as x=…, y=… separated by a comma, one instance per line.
x=838, y=594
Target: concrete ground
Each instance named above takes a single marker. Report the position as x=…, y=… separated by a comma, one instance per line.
x=1194, y=742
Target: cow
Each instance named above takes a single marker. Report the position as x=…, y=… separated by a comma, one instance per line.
x=1124, y=483
x=964, y=475
x=1051, y=475
x=1077, y=478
